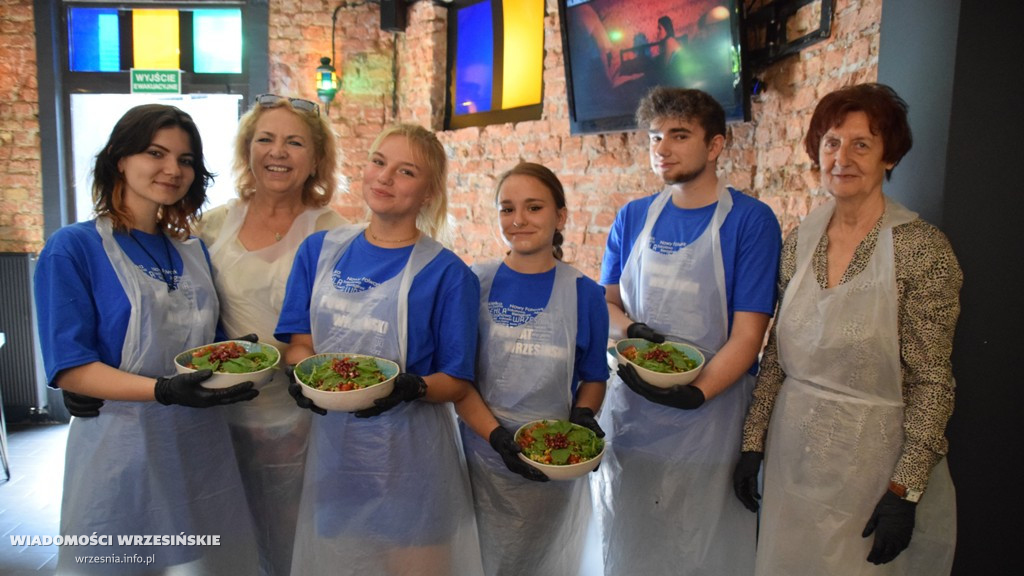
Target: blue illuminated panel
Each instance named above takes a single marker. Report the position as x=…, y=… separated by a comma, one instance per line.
x=474, y=60
x=93, y=40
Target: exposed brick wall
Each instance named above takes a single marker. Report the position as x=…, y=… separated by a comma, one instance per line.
x=767, y=155
x=21, y=204
x=601, y=172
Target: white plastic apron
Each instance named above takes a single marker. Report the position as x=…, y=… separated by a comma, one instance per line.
x=269, y=434
x=836, y=431
x=665, y=502
x=144, y=468
x=524, y=373
x=388, y=494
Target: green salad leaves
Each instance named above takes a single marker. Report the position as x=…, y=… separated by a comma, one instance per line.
x=344, y=374
x=559, y=442
x=230, y=357
x=664, y=358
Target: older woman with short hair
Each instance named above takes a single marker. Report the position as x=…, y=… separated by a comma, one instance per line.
x=856, y=383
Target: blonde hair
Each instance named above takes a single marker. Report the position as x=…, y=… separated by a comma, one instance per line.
x=319, y=188
x=433, y=217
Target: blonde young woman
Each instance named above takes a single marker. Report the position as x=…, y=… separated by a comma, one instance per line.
x=117, y=298
x=286, y=165
x=386, y=491
x=543, y=336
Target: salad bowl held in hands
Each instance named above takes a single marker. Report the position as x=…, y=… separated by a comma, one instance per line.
x=662, y=365
x=560, y=449
x=343, y=382
x=232, y=362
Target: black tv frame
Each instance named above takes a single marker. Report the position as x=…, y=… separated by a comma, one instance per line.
x=627, y=122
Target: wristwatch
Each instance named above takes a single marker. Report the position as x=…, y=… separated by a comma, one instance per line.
x=905, y=493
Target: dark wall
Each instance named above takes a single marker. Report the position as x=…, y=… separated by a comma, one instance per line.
x=917, y=52
x=984, y=206
x=973, y=188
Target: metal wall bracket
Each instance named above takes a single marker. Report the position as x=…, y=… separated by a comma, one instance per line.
x=776, y=29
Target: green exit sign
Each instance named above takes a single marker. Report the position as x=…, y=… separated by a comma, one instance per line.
x=156, y=81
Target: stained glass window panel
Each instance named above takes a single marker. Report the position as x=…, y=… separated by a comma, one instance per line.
x=523, y=56
x=217, y=41
x=474, y=59
x=155, y=39
x=93, y=40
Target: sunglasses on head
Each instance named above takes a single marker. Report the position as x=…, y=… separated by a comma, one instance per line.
x=271, y=100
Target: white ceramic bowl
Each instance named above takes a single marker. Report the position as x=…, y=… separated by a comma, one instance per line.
x=351, y=400
x=227, y=379
x=565, y=471
x=662, y=379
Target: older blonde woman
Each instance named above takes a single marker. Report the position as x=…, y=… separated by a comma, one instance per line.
x=286, y=173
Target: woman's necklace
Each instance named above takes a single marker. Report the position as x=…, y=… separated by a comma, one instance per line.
x=266, y=223
x=387, y=241
x=168, y=280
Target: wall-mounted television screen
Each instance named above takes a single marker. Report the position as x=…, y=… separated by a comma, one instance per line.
x=617, y=50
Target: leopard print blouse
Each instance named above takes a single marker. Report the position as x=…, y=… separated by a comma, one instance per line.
x=928, y=279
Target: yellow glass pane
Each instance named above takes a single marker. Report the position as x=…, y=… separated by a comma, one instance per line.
x=155, y=39
x=523, y=59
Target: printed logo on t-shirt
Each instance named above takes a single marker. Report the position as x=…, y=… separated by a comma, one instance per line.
x=534, y=342
x=665, y=247
x=353, y=284
x=162, y=274
x=512, y=315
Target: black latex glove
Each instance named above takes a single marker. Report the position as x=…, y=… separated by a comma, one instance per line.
x=295, y=389
x=744, y=479
x=686, y=397
x=249, y=338
x=641, y=330
x=892, y=522
x=585, y=417
x=186, y=390
x=504, y=443
x=81, y=405
x=408, y=387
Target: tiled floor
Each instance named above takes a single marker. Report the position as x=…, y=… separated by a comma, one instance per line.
x=30, y=500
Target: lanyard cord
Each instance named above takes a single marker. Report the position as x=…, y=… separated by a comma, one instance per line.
x=169, y=281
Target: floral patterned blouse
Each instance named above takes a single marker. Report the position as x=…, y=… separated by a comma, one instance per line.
x=928, y=279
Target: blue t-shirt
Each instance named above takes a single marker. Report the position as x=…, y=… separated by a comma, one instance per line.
x=751, y=243
x=443, y=301
x=516, y=298
x=82, y=309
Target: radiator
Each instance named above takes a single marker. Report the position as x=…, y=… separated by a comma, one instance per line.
x=22, y=378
